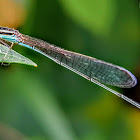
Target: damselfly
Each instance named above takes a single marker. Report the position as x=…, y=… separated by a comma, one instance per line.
x=97, y=71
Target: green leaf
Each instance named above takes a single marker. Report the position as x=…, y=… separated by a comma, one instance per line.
x=14, y=57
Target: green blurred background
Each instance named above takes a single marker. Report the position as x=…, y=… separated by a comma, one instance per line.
x=52, y=103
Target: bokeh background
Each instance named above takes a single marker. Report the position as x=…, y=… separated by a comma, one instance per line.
x=52, y=103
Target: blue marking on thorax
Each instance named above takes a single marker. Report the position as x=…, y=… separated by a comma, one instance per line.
x=30, y=47
x=25, y=45
x=9, y=38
